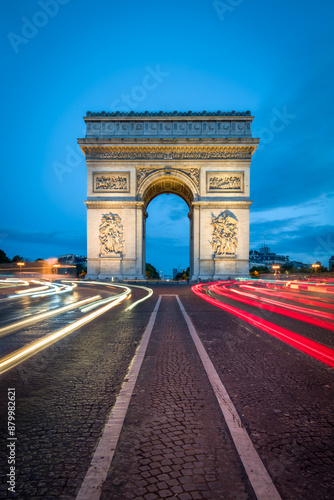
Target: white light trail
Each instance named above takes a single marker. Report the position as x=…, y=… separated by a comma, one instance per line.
x=35, y=319
x=54, y=288
x=20, y=355
x=109, y=285
x=31, y=290
x=150, y=293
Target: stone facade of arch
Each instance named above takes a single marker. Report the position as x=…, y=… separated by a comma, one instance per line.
x=133, y=157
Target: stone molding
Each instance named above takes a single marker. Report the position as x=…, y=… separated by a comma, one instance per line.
x=145, y=172
x=163, y=114
x=222, y=205
x=114, y=204
x=169, y=152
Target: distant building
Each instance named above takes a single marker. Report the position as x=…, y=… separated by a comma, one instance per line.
x=175, y=271
x=299, y=265
x=331, y=263
x=72, y=259
x=264, y=257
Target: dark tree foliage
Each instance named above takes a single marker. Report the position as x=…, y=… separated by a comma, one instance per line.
x=257, y=270
x=182, y=275
x=17, y=258
x=81, y=270
x=3, y=258
x=151, y=272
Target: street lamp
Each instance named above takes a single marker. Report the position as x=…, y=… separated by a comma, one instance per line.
x=21, y=264
x=276, y=268
x=315, y=267
x=56, y=266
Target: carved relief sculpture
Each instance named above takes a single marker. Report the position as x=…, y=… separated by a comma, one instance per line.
x=111, y=183
x=225, y=181
x=224, y=234
x=143, y=173
x=111, y=235
x=168, y=152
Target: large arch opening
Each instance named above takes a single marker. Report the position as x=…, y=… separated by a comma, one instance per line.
x=168, y=197
x=168, y=234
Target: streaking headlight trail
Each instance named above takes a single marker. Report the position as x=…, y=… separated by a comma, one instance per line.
x=40, y=317
x=15, y=358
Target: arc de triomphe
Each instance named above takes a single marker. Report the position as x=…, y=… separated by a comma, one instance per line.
x=202, y=157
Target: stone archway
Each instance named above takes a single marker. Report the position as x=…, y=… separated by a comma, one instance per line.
x=133, y=157
x=167, y=181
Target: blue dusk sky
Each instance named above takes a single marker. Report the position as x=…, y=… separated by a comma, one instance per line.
x=61, y=58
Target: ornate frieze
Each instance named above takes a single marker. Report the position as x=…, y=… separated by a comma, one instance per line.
x=227, y=182
x=117, y=182
x=111, y=235
x=224, y=234
x=168, y=152
x=143, y=173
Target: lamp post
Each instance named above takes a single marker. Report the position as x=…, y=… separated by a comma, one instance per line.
x=276, y=268
x=20, y=264
x=56, y=266
x=315, y=267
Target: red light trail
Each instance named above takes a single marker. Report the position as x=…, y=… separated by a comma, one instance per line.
x=314, y=349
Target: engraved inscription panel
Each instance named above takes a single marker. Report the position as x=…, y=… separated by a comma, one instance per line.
x=226, y=182
x=117, y=182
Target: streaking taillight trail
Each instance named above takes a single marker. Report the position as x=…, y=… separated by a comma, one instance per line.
x=314, y=349
x=284, y=309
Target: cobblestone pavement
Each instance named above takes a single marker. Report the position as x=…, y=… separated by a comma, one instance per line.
x=63, y=397
x=284, y=397
x=174, y=443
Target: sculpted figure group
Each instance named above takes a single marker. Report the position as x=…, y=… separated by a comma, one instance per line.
x=224, y=235
x=111, y=235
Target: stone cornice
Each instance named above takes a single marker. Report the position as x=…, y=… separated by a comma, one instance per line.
x=221, y=205
x=114, y=204
x=160, y=141
x=161, y=115
x=169, y=152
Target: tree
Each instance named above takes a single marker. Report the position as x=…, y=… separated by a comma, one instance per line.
x=3, y=258
x=17, y=258
x=182, y=275
x=151, y=272
x=256, y=271
x=81, y=270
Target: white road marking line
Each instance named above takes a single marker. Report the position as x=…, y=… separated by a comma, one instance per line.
x=96, y=475
x=259, y=478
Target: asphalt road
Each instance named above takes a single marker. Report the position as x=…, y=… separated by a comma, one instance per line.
x=65, y=392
